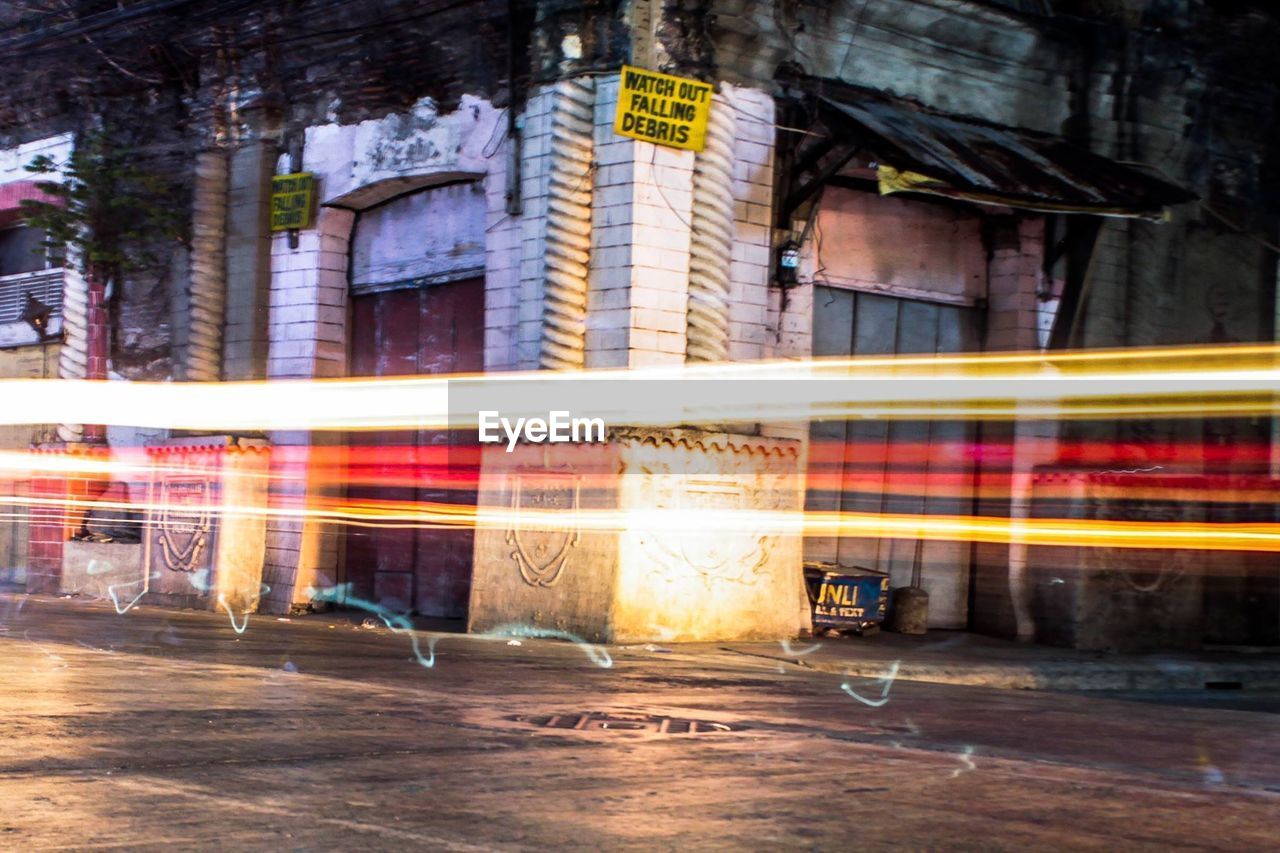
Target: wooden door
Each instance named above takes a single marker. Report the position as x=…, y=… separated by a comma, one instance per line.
x=437, y=329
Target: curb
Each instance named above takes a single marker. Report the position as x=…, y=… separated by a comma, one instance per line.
x=1162, y=675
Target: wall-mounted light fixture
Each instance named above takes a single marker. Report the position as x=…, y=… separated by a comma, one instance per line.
x=36, y=315
x=788, y=270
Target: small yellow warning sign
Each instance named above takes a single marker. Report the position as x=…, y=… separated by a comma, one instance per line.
x=292, y=201
x=663, y=109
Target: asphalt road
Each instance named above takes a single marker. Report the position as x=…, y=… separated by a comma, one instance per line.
x=161, y=729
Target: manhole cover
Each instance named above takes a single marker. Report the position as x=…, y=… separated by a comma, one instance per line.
x=649, y=723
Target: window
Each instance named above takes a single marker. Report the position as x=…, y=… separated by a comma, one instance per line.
x=22, y=250
x=27, y=267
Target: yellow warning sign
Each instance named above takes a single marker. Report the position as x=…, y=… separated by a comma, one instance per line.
x=291, y=201
x=663, y=109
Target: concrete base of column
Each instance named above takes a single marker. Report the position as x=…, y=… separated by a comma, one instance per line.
x=647, y=537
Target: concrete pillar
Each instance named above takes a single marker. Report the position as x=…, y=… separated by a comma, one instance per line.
x=308, y=341
x=640, y=581
x=245, y=341
x=208, y=268
x=639, y=282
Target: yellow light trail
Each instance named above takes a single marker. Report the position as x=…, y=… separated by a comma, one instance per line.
x=1036, y=531
x=1176, y=382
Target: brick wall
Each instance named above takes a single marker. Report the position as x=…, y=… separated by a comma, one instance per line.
x=639, y=271
x=309, y=300
x=307, y=331
x=534, y=181
x=47, y=530
x=1015, y=274
x=751, y=263
x=53, y=518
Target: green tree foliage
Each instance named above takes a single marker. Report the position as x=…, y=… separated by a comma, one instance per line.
x=107, y=206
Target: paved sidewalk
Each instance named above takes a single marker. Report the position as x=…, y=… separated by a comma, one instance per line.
x=940, y=657
x=955, y=657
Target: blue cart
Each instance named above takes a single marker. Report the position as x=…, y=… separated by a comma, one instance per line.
x=845, y=598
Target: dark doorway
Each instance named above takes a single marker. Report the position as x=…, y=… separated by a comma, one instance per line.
x=895, y=467
x=422, y=330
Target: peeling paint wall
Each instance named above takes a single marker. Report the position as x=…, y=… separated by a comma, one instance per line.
x=433, y=235
x=900, y=246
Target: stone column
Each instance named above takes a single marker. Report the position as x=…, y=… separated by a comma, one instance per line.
x=208, y=268
x=643, y=580
x=308, y=341
x=639, y=292
x=248, y=260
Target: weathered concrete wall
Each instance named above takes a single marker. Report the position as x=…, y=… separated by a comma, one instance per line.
x=901, y=247
x=561, y=578
x=641, y=578
x=204, y=539
x=964, y=58
x=237, y=585
x=102, y=570
x=713, y=582
x=430, y=236
x=1138, y=599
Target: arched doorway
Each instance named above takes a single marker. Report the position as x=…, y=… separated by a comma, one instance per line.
x=417, y=307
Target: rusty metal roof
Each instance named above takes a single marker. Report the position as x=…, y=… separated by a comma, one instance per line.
x=921, y=151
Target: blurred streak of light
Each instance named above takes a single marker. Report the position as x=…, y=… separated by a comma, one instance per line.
x=244, y=623
x=1180, y=382
x=931, y=486
x=53, y=656
x=790, y=652
x=887, y=679
x=341, y=594
x=933, y=490
x=596, y=654
x=967, y=758
x=437, y=459
x=991, y=529
x=115, y=599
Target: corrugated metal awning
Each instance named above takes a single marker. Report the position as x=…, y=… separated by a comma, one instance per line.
x=925, y=152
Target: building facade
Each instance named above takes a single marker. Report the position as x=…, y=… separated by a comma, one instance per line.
x=957, y=177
